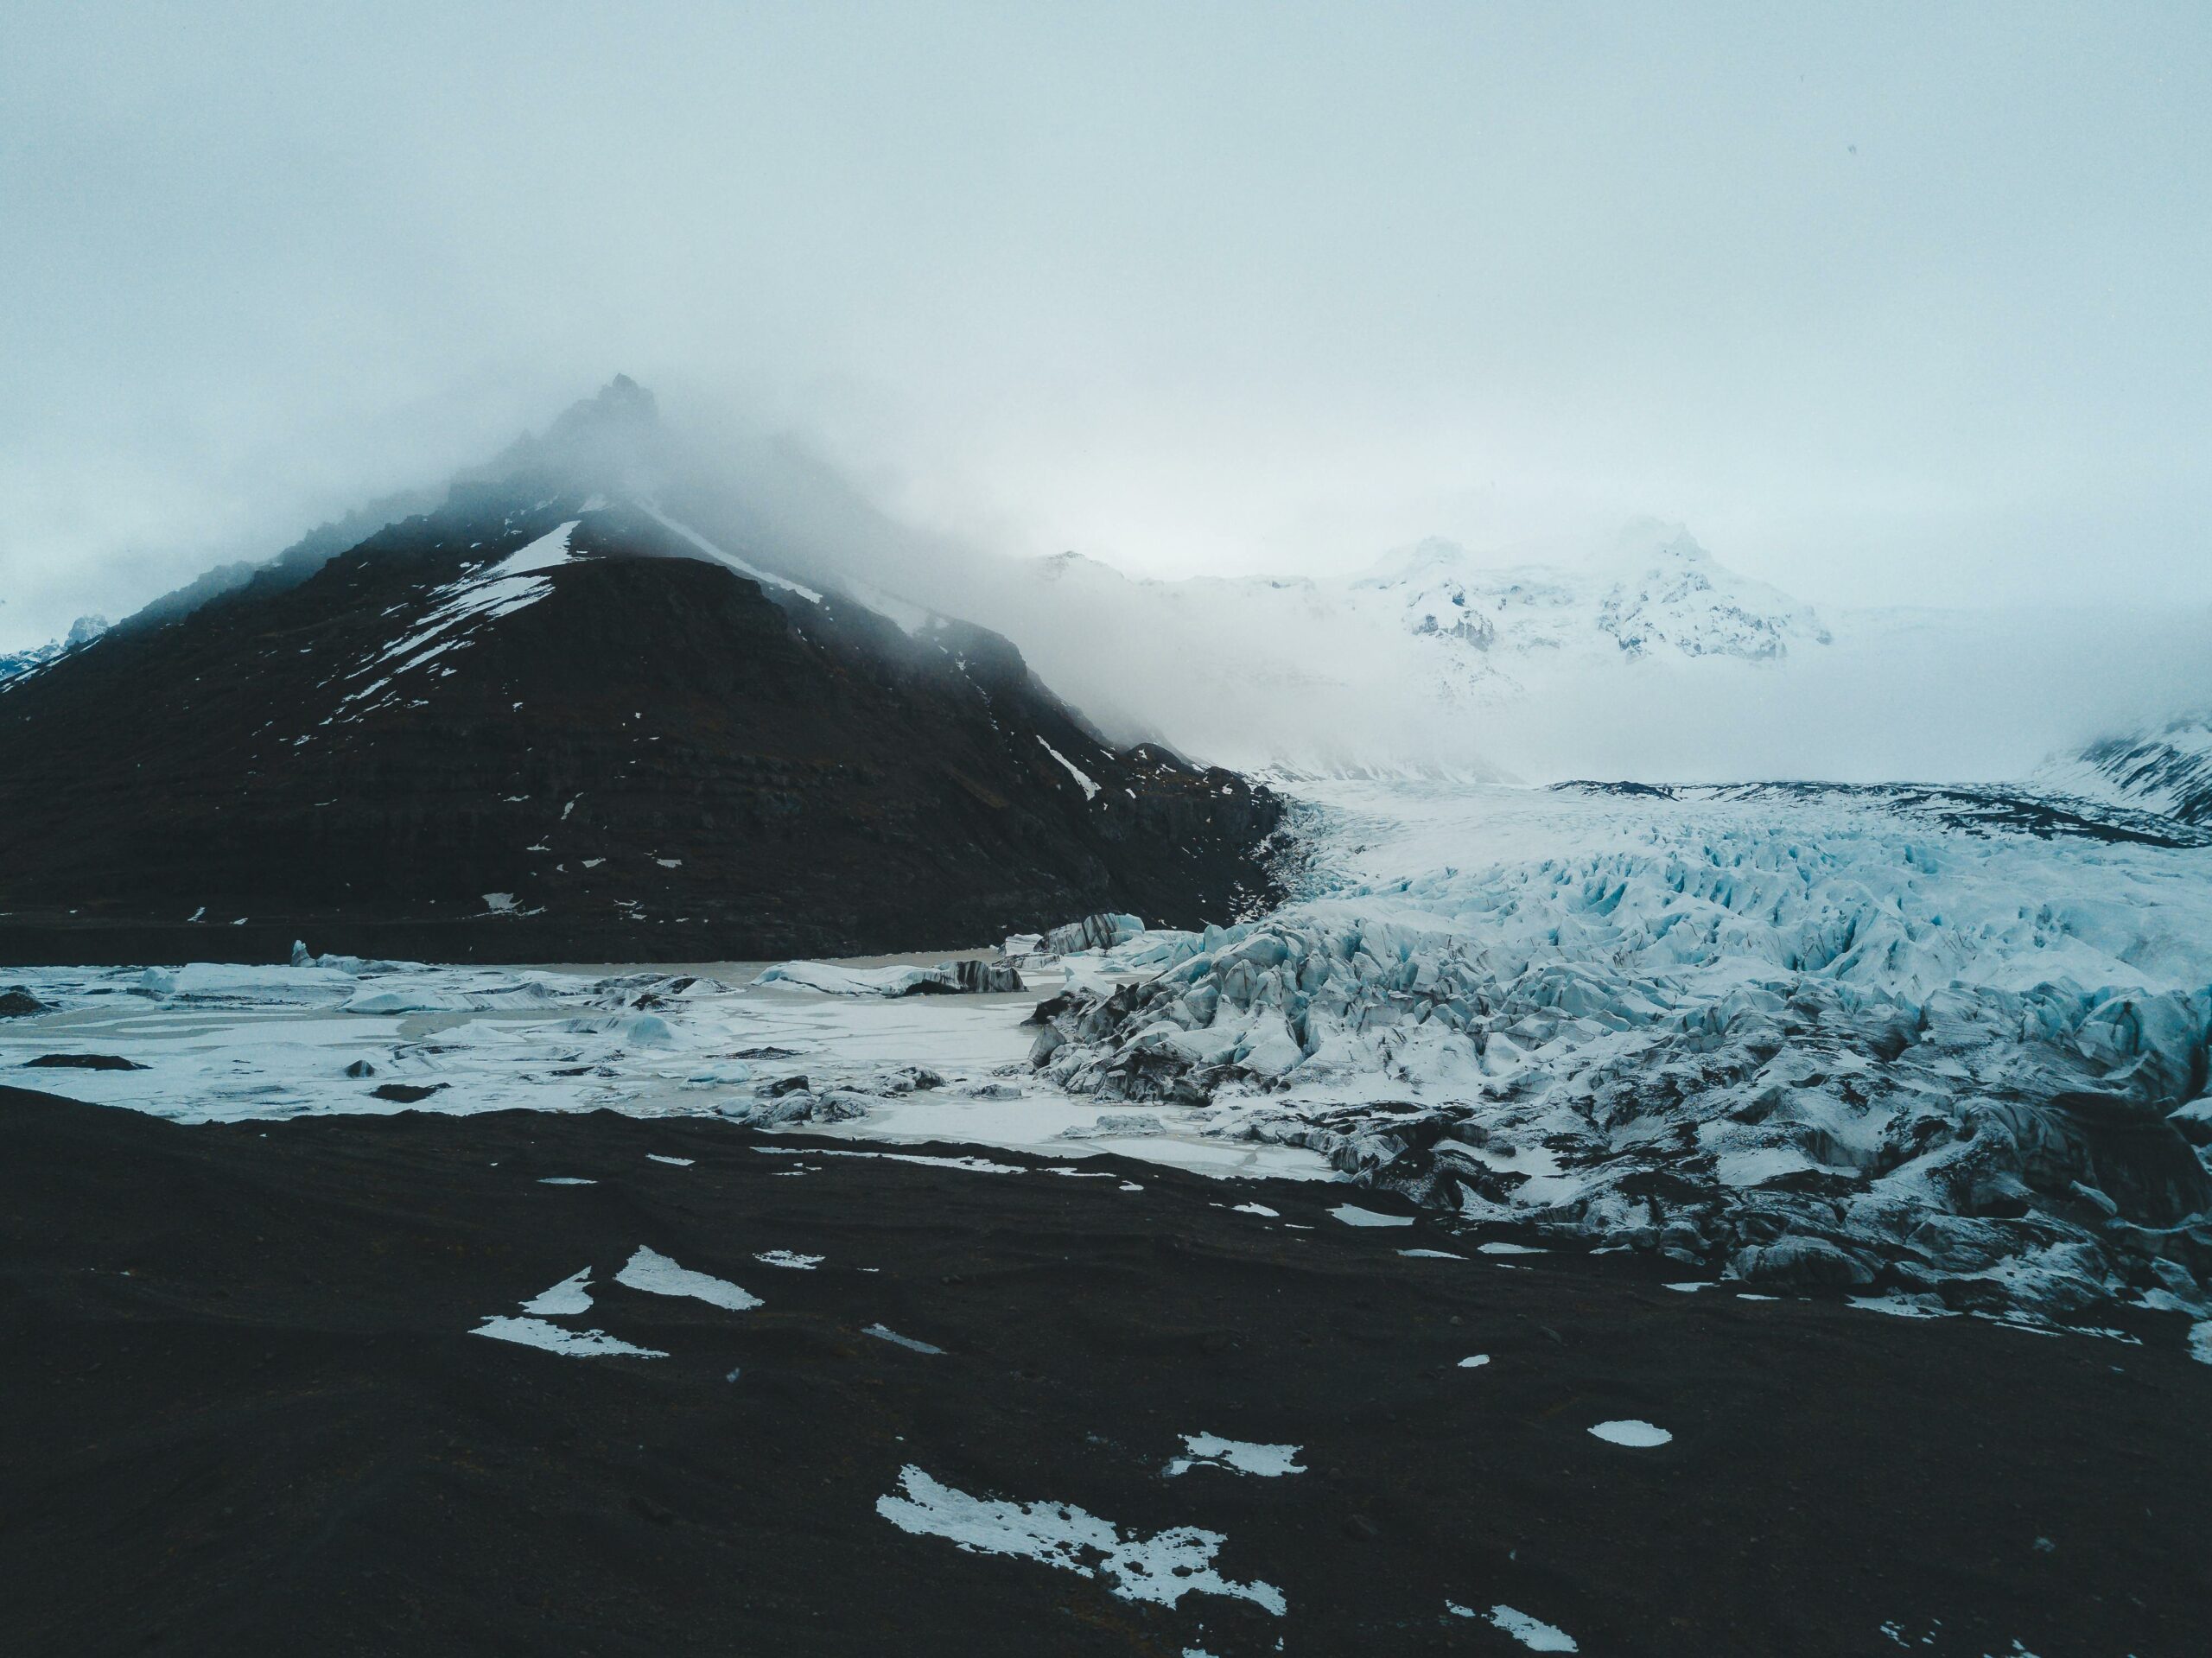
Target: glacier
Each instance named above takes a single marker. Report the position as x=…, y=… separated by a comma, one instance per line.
x=1798, y=1038
x=1940, y=1048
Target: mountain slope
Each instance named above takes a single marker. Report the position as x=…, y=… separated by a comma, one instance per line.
x=2167, y=769
x=533, y=727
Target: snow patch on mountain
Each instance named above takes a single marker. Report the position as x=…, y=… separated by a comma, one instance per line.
x=457, y=610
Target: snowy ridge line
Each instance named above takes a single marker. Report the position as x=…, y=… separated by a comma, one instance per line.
x=722, y=555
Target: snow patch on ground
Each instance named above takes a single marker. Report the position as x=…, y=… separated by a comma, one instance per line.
x=1531, y=1632
x=656, y=1274
x=1641, y=1436
x=570, y=1344
x=1353, y=1215
x=1161, y=1569
x=1238, y=1456
x=570, y=1296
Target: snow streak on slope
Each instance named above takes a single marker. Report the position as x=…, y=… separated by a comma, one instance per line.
x=1803, y=1039
x=745, y=567
x=458, y=609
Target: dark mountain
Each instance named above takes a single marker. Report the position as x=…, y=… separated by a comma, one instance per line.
x=538, y=724
x=2166, y=770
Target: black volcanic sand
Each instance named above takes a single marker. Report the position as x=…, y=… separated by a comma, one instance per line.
x=244, y=1414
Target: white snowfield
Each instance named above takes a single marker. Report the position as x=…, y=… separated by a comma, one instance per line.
x=1787, y=1038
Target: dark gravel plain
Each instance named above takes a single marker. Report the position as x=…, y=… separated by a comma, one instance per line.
x=244, y=1414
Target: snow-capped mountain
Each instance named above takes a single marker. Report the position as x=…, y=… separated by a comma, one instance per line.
x=2166, y=769
x=549, y=721
x=1428, y=662
x=83, y=631
x=1659, y=595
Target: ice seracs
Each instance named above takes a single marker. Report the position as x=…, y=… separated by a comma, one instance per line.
x=1859, y=1045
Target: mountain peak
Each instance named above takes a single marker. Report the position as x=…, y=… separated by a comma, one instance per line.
x=611, y=441
x=1647, y=541
x=1429, y=553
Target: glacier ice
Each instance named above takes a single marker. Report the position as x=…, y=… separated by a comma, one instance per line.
x=1805, y=1040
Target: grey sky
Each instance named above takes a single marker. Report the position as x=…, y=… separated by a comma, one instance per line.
x=1892, y=303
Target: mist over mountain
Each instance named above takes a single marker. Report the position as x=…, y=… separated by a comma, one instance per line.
x=951, y=829
x=547, y=718
x=1639, y=655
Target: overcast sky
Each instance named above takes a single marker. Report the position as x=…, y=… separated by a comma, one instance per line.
x=1899, y=303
